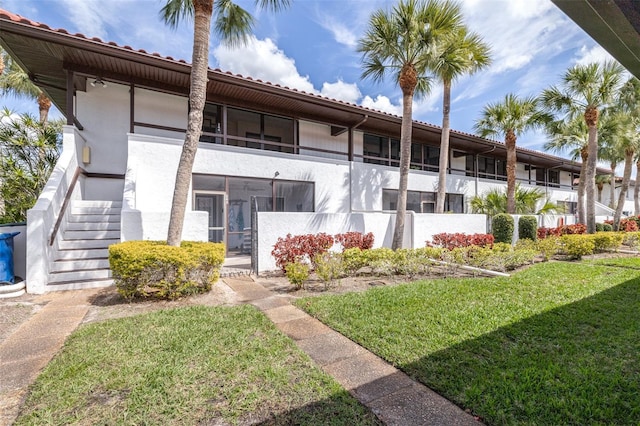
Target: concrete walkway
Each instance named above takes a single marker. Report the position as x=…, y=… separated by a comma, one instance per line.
x=29, y=348
x=394, y=397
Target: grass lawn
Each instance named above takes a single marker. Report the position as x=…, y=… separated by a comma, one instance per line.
x=187, y=366
x=558, y=343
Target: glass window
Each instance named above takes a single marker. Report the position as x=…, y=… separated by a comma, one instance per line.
x=295, y=196
x=395, y=152
x=554, y=178
x=374, y=146
x=540, y=176
x=432, y=158
x=279, y=130
x=416, y=156
x=454, y=203
x=422, y=202
x=211, y=123
x=208, y=183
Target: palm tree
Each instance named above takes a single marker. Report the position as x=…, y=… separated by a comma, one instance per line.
x=494, y=201
x=629, y=104
x=460, y=52
x=510, y=118
x=601, y=181
x=586, y=90
x=233, y=25
x=15, y=81
x=401, y=42
x=636, y=189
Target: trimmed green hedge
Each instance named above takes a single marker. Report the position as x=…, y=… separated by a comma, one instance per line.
x=528, y=228
x=502, y=226
x=153, y=269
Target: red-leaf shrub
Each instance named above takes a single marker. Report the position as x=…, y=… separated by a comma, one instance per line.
x=451, y=241
x=578, y=228
x=291, y=248
x=355, y=240
x=628, y=224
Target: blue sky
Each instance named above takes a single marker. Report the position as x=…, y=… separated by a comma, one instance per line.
x=312, y=47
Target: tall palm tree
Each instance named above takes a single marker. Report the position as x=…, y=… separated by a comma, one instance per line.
x=629, y=104
x=586, y=89
x=233, y=25
x=15, y=81
x=400, y=42
x=460, y=52
x=510, y=118
x=601, y=181
x=636, y=189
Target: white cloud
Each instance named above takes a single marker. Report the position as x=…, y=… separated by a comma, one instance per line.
x=596, y=54
x=381, y=103
x=89, y=16
x=340, y=90
x=341, y=33
x=261, y=59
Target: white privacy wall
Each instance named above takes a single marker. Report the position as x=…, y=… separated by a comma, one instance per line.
x=418, y=228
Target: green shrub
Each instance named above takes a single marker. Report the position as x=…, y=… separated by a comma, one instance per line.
x=526, y=244
x=604, y=241
x=549, y=246
x=411, y=262
x=631, y=239
x=329, y=267
x=502, y=225
x=528, y=228
x=153, y=269
x=607, y=227
x=297, y=273
x=599, y=227
x=576, y=245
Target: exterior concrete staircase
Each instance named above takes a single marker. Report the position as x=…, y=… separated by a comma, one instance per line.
x=82, y=257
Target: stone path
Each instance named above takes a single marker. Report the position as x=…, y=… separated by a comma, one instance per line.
x=394, y=397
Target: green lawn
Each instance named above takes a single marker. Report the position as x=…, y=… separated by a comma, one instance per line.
x=558, y=343
x=187, y=366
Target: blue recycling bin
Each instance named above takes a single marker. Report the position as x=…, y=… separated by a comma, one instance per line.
x=6, y=258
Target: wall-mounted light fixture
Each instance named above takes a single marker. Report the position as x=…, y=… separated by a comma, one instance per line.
x=98, y=82
x=86, y=154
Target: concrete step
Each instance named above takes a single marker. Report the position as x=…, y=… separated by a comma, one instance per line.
x=93, y=226
x=79, y=264
x=86, y=244
x=95, y=210
x=91, y=235
x=83, y=218
x=88, y=275
x=96, y=203
x=82, y=254
x=79, y=285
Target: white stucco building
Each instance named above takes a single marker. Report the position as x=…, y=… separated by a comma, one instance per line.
x=309, y=163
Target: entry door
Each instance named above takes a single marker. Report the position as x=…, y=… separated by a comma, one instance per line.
x=214, y=204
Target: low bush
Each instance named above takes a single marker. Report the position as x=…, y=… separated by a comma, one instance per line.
x=576, y=245
x=297, y=273
x=502, y=226
x=412, y=262
x=606, y=227
x=599, y=227
x=153, y=269
x=355, y=240
x=528, y=228
x=549, y=246
x=451, y=241
x=329, y=267
x=577, y=228
x=300, y=248
x=604, y=241
x=631, y=239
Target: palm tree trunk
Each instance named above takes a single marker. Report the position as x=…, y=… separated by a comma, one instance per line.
x=591, y=118
x=612, y=185
x=197, y=97
x=626, y=178
x=44, y=104
x=584, y=154
x=443, y=164
x=600, y=188
x=636, y=190
x=405, y=157
x=510, y=142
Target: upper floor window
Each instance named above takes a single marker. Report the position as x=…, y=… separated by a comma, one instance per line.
x=425, y=157
x=381, y=150
x=488, y=167
x=247, y=129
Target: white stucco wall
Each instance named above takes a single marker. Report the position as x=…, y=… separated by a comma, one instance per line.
x=272, y=226
x=161, y=109
x=427, y=225
x=104, y=114
x=316, y=135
